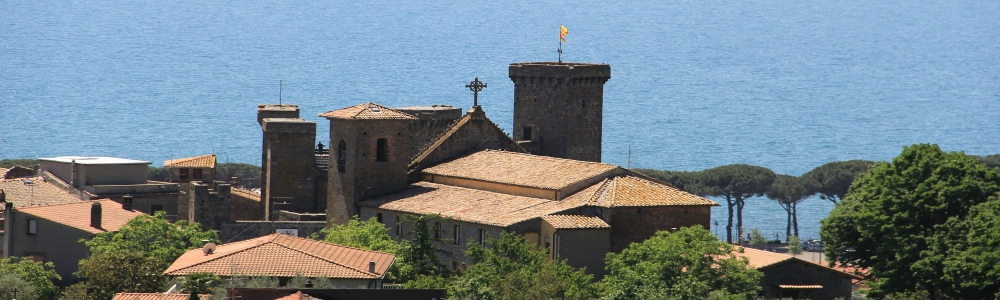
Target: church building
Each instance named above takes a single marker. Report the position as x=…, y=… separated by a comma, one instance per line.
x=546, y=182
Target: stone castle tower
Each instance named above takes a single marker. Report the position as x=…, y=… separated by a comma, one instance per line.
x=288, y=163
x=558, y=108
x=369, y=152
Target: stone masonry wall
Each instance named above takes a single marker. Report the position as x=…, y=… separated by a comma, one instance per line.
x=246, y=206
x=245, y=230
x=636, y=224
x=363, y=176
x=562, y=104
x=291, y=163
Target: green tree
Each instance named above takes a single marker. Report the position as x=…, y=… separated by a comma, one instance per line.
x=158, y=174
x=422, y=251
x=990, y=160
x=509, y=268
x=683, y=180
x=794, y=245
x=688, y=264
x=108, y=273
x=153, y=235
x=789, y=191
x=896, y=214
x=10, y=283
x=735, y=183
x=757, y=239
x=831, y=180
x=200, y=283
x=39, y=275
x=370, y=235
x=25, y=162
x=972, y=263
x=248, y=175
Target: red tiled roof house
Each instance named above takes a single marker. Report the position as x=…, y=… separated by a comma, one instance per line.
x=52, y=233
x=285, y=256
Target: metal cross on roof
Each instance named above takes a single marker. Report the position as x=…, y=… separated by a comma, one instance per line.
x=475, y=86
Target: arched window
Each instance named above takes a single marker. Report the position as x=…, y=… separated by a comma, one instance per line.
x=342, y=157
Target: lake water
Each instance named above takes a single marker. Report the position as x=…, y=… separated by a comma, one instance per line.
x=695, y=84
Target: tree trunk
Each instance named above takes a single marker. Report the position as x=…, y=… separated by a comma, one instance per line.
x=795, y=218
x=739, y=214
x=788, y=222
x=729, y=226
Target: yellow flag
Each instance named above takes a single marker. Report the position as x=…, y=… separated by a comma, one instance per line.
x=562, y=33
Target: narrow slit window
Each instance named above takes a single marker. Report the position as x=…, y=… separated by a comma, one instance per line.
x=382, y=150
x=437, y=230
x=457, y=235
x=527, y=134
x=482, y=237
x=378, y=217
x=342, y=157
x=399, y=226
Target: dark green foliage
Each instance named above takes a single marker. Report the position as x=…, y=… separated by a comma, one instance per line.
x=757, y=239
x=509, y=268
x=247, y=174
x=735, y=183
x=121, y=272
x=689, y=264
x=154, y=236
x=990, y=160
x=158, y=174
x=10, y=283
x=38, y=275
x=24, y=162
x=794, y=245
x=371, y=235
x=200, y=283
x=422, y=251
x=789, y=191
x=193, y=296
x=683, y=180
x=831, y=180
x=76, y=291
x=915, y=223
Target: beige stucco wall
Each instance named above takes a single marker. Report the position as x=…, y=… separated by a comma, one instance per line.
x=580, y=247
x=58, y=243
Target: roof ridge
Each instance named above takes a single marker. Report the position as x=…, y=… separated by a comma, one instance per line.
x=338, y=245
x=599, y=194
x=555, y=158
x=324, y=259
x=438, y=140
x=91, y=201
x=216, y=258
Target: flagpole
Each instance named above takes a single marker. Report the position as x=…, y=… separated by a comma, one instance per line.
x=560, y=51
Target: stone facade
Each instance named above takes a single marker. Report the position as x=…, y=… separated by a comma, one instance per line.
x=359, y=172
x=558, y=108
x=245, y=230
x=209, y=205
x=289, y=163
x=636, y=224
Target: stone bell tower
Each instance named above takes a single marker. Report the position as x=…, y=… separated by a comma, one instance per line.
x=558, y=108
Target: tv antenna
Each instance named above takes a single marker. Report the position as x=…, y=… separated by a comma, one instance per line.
x=279, y=92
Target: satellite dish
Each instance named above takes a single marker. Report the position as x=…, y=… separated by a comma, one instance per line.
x=208, y=248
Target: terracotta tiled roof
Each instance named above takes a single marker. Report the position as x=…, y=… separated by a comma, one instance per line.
x=574, y=221
x=297, y=296
x=157, y=296
x=282, y=255
x=630, y=191
x=367, y=111
x=201, y=162
x=520, y=169
x=34, y=191
x=801, y=286
x=760, y=259
x=77, y=215
x=472, y=205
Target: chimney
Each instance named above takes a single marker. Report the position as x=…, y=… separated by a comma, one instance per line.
x=95, y=215
x=233, y=181
x=127, y=202
x=371, y=266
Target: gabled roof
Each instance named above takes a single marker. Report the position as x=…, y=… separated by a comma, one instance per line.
x=281, y=255
x=632, y=191
x=157, y=296
x=367, y=111
x=472, y=205
x=574, y=222
x=470, y=133
x=77, y=215
x=34, y=191
x=521, y=169
x=201, y=162
x=760, y=259
x=297, y=296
